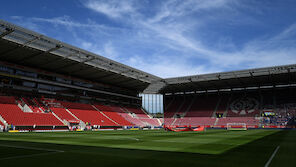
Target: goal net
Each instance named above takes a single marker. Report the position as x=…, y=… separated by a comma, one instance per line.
x=236, y=126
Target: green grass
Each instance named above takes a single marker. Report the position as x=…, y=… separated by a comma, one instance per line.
x=148, y=148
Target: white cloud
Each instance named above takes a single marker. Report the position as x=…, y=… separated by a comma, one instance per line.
x=173, y=9
x=273, y=50
x=86, y=45
x=20, y=20
x=68, y=22
x=106, y=50
x=167, y=67
x=170, y=26
x=111, y=8
x=177, y=26
x=109, y=51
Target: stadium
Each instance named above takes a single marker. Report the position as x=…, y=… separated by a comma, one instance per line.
x=90, y=111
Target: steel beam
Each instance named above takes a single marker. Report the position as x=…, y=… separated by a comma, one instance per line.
x=8, y=31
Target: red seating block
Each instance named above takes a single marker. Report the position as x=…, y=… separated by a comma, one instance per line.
x=63, y=114
x=113, y=113
x=246, y=120
x=93, y=117
x=138, y=111
x=14, y=115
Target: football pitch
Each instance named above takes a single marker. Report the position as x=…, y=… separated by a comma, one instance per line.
x=150, y=148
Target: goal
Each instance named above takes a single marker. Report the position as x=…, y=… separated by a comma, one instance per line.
x=236, y=126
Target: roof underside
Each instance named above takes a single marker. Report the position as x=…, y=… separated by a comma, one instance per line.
x=261, y=77
x=27, y=48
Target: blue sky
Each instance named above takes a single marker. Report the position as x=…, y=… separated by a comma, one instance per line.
x=168, y=38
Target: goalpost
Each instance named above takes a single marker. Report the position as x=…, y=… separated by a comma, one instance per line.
x=237, y=126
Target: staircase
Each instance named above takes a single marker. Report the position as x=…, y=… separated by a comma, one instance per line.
x=179, y=108
x=218, y=103
x=72, y=114
x=132, y=119
x=188, y=108
x=3, y=121
x=64, y=122
x=216, y=122
x=171, y=102
x=175, y=119
x=31, y=104
x=104, y=115
x=228, y=105
x=144, y=111
x=159, y=121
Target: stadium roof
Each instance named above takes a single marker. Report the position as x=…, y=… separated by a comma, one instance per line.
x=24, y=47
x=251, y=78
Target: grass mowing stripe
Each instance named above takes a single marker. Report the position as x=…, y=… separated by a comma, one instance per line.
x=211, y=148
x=209, y=142
x=272, y=156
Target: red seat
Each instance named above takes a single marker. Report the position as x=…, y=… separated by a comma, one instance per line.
x=246, y=120
x=138, y=111
x=113, y=113
x=63, y=114
x=87, y=113
x=93, y=117
x=14, y=115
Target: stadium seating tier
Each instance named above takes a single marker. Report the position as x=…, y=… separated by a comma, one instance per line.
x=12, y=114
x=63, y=114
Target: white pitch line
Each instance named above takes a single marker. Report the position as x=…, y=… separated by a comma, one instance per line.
x=31, y=148
x=26, y=156
x=272, y=156
x=134, y=138
x=51, y=151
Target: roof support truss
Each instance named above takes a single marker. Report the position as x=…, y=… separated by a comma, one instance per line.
x=8, y=31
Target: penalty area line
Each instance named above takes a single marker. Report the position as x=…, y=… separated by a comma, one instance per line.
x=31, y=148
x=272, y=156
x=26, y=156
x=49, y=151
